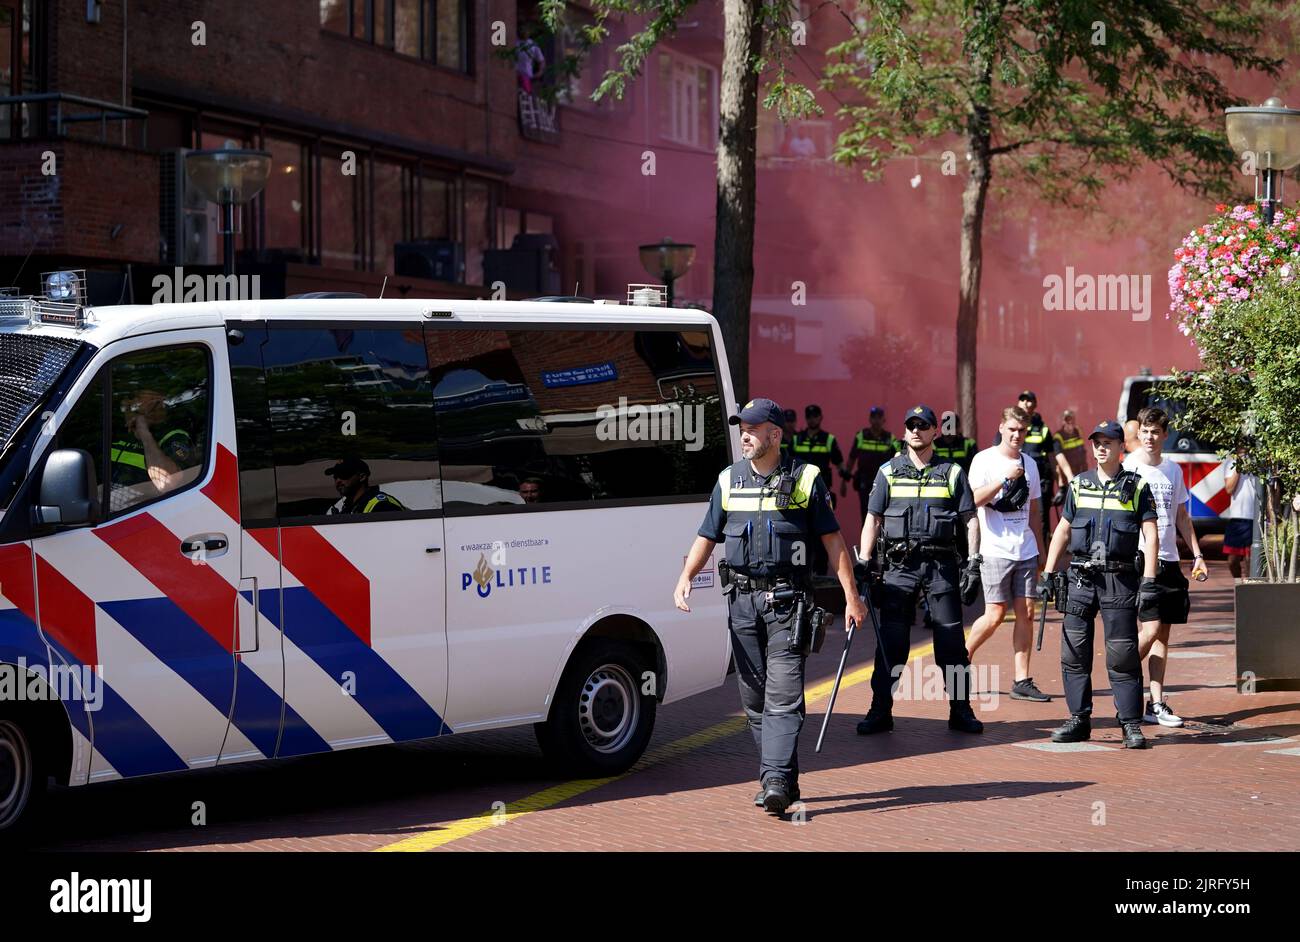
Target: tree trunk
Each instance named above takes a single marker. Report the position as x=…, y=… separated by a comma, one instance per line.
x=733, y=247
x=972, y=266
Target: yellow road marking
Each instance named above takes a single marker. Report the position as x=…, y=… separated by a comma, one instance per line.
x=539, y=801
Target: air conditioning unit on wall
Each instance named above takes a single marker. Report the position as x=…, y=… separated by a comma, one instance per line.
x=186, y=222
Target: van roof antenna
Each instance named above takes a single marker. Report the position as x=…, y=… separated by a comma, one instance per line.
x=383, y=286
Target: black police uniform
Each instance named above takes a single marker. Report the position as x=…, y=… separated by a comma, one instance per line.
x=764, y=546
x=871, y=451
x=371, y=501
x=1105, y=537
x=1042, y=446
x=955, y=448
x=921, y=511
x=821, y=450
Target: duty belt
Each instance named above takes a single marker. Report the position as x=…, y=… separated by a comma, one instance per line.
x=924, y=550
x=1088, y=564
x=745, y=583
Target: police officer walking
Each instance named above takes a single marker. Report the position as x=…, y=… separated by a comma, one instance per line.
x=871, y=448
x=918, y=506
x=816, y=446
x=1108, y=516
x=768, y=509
x=956, y=447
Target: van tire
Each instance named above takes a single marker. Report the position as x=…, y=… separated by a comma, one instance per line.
x=22, y=780
x=600, y=721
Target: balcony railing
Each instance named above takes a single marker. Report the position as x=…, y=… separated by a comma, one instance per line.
x=64, y=112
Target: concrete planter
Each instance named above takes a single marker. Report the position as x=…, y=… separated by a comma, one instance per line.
x=1268, y=634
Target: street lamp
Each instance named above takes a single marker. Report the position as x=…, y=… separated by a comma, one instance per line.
x=229, y=178
x=668, y=260
x=1271, y=133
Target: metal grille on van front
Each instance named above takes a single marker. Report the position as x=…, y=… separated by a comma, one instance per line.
x=29, y=365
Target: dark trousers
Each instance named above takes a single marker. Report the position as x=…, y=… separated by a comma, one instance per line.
x=770, y=680
x=937, y=581
x=1048, y=485
x=1114, y=596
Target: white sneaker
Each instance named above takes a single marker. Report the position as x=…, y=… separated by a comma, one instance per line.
x=1148, y=715
x=1165, y=716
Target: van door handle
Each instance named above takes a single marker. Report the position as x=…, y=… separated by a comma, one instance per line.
x=205, y=545
x=433, y=549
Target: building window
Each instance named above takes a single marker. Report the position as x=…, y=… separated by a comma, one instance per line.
x=687, y=101
x=340, y=210
x=284, y=201
x=434, y=30
x=390, y=187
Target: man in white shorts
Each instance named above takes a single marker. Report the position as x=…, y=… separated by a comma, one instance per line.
x=1167, y=602
x=1006, y=488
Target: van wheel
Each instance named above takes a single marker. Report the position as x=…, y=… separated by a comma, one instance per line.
x=600, y=721
x=22, y=784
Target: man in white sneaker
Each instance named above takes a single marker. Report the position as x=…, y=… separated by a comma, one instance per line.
x=1171, y=603
x=1006, y=487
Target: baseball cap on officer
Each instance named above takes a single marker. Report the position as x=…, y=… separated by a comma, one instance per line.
x=1029, y=395
x=922, y=412
x=877, y=410
x=348, y=467
x=1108, y=429
x=759, y=410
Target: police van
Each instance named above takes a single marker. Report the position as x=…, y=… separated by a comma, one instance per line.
x=1203, y=470
x=233, y=531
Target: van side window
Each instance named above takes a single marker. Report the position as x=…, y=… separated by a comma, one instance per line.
x=159, y=403
x=351, y=415
x=556, y=416
x=84, y=428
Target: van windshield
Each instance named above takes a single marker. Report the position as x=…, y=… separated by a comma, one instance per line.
x=30, y=365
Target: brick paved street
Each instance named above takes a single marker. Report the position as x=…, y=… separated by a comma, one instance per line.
x=1224, y=782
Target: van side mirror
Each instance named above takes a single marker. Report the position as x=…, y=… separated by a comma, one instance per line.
x=69, y=492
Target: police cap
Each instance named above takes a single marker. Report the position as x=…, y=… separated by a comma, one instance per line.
x=758, y=410
x=922, y=412
x=348, y=467
x=1108, y=429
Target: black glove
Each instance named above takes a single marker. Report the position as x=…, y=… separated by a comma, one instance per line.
x=1047, y=587
x=1148, y=592
x=970, y=581
x=1058, y=499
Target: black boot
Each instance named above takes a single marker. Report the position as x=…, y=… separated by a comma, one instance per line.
x=777, y=795
x=1133, y=738
x=1078, y=728
x=876, y=721
x=758, y=799
x=962, y=718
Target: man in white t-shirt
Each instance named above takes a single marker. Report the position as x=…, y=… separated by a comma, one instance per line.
x=1170, y=603
x=1007, y=488
x=1240, y=516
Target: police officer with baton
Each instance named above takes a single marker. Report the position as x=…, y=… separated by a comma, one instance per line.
x=770, y=511
x=918, y=507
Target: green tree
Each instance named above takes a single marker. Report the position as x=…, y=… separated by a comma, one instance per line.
x=758, y=38
x=1058, y=96
x=1245, y=398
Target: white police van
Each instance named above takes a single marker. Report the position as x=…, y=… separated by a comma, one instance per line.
x=189, y=576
